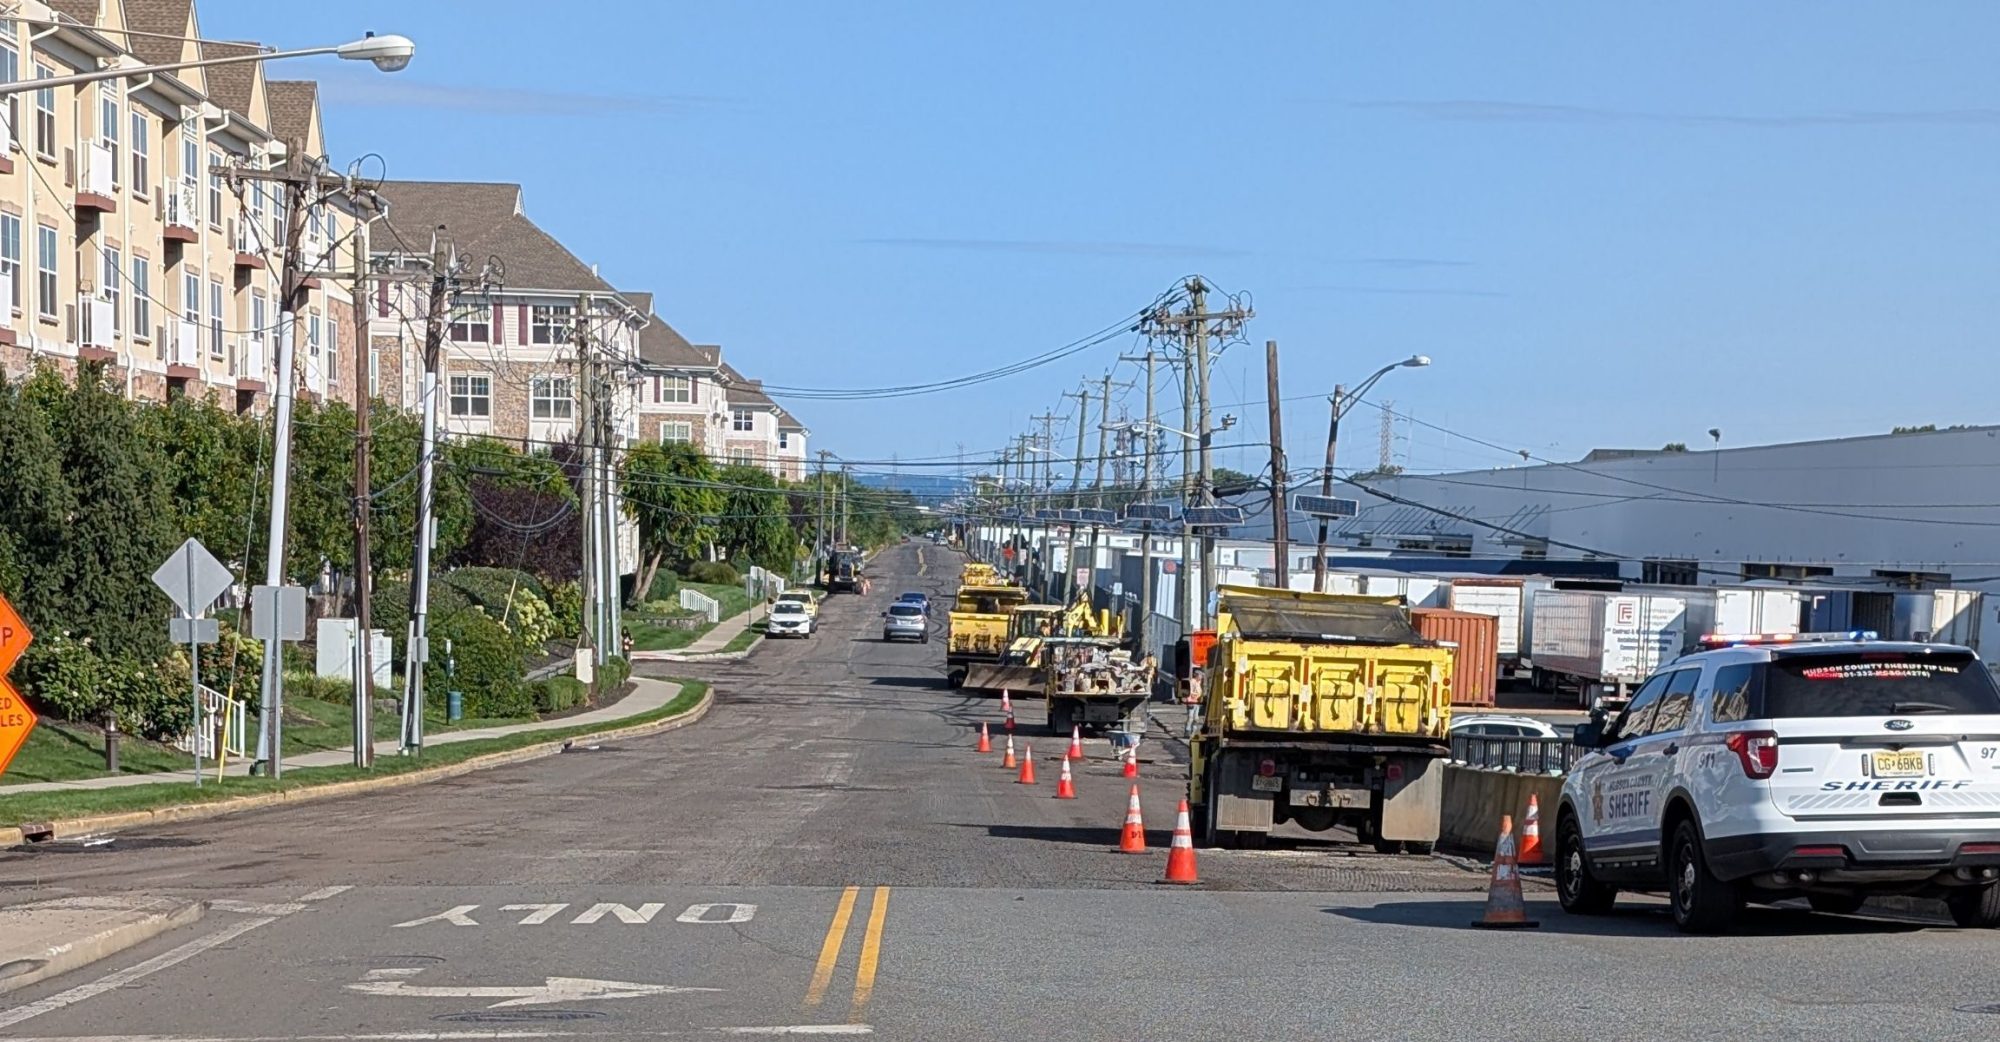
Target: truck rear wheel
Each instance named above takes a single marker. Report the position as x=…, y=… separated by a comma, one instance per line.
x=955, y=678
x=1315, y=819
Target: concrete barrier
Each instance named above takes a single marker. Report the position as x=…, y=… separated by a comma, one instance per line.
x=1475, y=798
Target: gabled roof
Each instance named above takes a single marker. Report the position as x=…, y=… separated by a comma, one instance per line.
x=484, y=218
x=291, y=103
x=84, y=11
x=165, y=17
x=662, y=345
x=788, y=422
x=231, y=86
x=745, y=391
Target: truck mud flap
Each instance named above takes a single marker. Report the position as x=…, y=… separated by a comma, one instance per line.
x=1412, y=799
x=1238, y=806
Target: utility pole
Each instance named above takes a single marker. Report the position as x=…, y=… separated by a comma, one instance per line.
x=1280, y=521
x=295, y=179
x=1070, y=584
x=1145, y=494
x=846, y=502
x=418, y=655
x=1103, y=439
x=1326, y=488
x=592, y=574
x=1198, y=300
x=364, y=405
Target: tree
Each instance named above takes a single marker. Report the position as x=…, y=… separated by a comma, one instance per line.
x=524, y=508
x=669, y=488
x=1674, y=446
x=754, y=523
x=36, y=504
x=212, y=460
x=121, y=525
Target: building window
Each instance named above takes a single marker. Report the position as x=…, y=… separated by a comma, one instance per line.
x=675, y=390
x=142, y=153
x=676, y=433
x=740, y=457
x=472, y=327
x=190, y=310
x=45, y=114
x=190, y=155
x=312, y=337
x=113, y=289
x=10, y=72
x=214, y=188
x=784, y=440
x=548, y=324
x=742, y=420
x=46, y=259
x=471, y=395
x=332, y=351
x=142, y=301
x=10, y=259
x=215, y=317
x=257, y=317
x=374, y=372
x=550, y=398
x=108, y=118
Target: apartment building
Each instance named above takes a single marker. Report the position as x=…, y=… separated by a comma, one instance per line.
x=754, y=430
x=121, y=242
x=680, y=397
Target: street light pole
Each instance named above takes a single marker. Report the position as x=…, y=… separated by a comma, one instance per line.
x=1340, y=403
x=388, y=53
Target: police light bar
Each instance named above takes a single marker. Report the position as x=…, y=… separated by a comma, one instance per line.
x=1735, y=640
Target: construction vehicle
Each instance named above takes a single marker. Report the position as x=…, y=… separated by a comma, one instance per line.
x=843, y=571
x=1092, y=681
x=1020, y=664
x=1324, y=710
x=978, y=621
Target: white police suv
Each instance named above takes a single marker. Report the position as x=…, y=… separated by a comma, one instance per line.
x=1828, y=766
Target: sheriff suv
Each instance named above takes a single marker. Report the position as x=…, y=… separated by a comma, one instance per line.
x=1829, y=767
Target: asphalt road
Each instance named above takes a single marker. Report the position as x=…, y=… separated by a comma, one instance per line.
x=826, y=851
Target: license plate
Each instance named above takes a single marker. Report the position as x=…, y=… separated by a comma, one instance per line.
x=1266, y=783
x=1899, y=765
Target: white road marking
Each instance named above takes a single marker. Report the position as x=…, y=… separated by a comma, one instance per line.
x=626, y=914
x=800, y=1029
x=394, y=982
x=327, y=891
x=453, y=1036
x=455, y=916
x=738, y=913
x=224, y=904
x=537, y=914
x=137, y=971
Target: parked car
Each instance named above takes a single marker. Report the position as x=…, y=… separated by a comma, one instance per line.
x=1828, y=767
x=803, y=597
x=921, y=600
x=1494, y=725
x=790, y=619
x=906, y=622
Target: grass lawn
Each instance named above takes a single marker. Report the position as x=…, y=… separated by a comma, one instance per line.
x=47, y=806
x=59, y=751
x=732, y=601
x=312, y=725
x=743, y=640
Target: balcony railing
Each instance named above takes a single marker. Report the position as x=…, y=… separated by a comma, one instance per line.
x=182, y=212
x=184, y=343
x=98, y=321
x=250, y=362
x=96, y=177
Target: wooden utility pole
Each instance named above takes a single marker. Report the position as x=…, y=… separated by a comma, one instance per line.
x=1280, y=521
x=364, y=403
x=1145, y=449
x=1103, y=438
x=1326, y=488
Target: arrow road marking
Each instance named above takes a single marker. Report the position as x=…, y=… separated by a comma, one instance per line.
x=394, y=981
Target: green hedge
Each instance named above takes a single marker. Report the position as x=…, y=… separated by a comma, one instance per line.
x=665, y=585
x=720, y=573
x=489, y=587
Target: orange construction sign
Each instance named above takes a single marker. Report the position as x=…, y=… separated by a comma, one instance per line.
x=16, y=719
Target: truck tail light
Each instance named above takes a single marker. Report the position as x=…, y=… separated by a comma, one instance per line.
x=1268, y=768
x=1757, y=751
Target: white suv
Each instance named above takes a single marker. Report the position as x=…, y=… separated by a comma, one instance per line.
x=1765, y=769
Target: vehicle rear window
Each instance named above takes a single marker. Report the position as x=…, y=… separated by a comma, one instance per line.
x=1878, y=683
x=905, y=609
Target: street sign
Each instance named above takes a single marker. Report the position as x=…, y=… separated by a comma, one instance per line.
x=16, y=719
x=1325, y=506
x=278, y=612
x=192, y=578
x=182, y=630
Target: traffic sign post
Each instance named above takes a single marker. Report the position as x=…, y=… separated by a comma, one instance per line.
x=192, y=578
x=16, y=719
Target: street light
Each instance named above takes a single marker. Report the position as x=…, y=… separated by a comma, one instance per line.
x=389, y=53
x=1339, y=408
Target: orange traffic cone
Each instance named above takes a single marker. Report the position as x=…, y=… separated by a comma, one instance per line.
x=1027, y=765
x=1009, y=722
x=985, y=740
x=1133, y=839
x=1007, y=762
x=1076, y=743
x=1531, y=833
x=1505, y=910
x=1006, y=704
x=1065, y=788
x=1132, y=763
x=1180, y=854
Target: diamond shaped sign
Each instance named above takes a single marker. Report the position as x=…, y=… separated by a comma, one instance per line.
x=192, y=578
x=16, y=720
x=14, y=636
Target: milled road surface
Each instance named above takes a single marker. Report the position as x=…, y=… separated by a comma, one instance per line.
x=826, y=851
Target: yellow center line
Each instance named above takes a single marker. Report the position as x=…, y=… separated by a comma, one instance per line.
x=871, y=954
x=829, y=950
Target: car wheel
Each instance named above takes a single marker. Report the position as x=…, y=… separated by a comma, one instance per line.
x=1579, y=891
x=1975, y=906
x=1701, y=902
x=1835, y=904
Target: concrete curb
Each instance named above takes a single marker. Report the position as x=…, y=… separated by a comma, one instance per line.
x=713, y=656
x=82, y=951
x=73, y=827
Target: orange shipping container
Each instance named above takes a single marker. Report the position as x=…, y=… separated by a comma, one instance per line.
x=1476, y=660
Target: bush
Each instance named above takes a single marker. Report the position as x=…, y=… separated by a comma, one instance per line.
x=391, y=608
x=490, y=588
x=64, y=678
x=566, y=600
x=665, y=585
x=719, y=573
x=486, y=661
x=152, y=698
x=530, y=621
x=557, y=694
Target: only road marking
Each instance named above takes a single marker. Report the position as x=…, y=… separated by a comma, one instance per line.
x=871, y=952
x=829, y=949
x=395, y=981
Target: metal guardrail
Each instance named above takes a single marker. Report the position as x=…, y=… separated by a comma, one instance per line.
x=1522, y=755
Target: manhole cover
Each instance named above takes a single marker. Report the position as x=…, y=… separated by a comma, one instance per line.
x=1979, y=1007
x=519, y=1016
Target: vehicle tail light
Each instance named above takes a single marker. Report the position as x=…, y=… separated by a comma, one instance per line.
x=1268, y=768
x=1757, y=751
x=1979, y=848
x=1819, y=851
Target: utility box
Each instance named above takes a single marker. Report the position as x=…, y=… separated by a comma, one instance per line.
x=336, y=652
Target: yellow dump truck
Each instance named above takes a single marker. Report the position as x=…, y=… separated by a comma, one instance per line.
x=1324, y=710
x=1021, y=665
x=979, y=618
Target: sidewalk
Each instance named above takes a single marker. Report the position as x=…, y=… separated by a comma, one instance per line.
x=41, y=940
x=647, y=695
x=708, y=643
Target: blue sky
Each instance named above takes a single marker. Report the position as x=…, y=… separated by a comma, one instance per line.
x=1609, y=224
